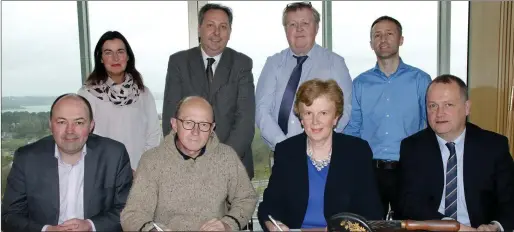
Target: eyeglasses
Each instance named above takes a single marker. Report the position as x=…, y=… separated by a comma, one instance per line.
x=189, y=125
x=299, y=4
x=119, y=53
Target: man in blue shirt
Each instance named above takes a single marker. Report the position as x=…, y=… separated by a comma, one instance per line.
x=284, y=72
x=388, y=105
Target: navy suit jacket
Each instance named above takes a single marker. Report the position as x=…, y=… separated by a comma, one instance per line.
x=350, y=185
x=488, y=177
x=31, y=197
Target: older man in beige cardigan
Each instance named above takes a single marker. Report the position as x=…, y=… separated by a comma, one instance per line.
x=191, y=181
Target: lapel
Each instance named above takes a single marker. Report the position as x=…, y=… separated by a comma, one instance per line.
x=302, y=179
x=52, y=173
x=90, y=171
x=470, y=166
x=435, y=160
x=221, y=76
x=338, y=169
x=197, y=69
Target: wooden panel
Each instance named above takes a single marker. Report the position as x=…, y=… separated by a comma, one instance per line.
x=491, y=67
x=483, y=63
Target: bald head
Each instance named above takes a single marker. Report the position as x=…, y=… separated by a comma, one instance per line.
x=72, y=98
x=195, y=103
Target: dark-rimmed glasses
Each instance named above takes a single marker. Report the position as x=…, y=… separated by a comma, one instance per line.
x=189, y=125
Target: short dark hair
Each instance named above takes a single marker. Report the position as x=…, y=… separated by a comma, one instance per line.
x=387, y=18
x=448, y=79
x=214, y=6
x=99, y=74
x=295, y=6
x=88, y=106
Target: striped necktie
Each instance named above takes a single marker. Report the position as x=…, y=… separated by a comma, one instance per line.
x=450, y=201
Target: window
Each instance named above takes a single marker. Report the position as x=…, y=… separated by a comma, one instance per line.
x=459, y=39
x=40, y=60
x=154, y=30
x=351, y=23
x=259, y=37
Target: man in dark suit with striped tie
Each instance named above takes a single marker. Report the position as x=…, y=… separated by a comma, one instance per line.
x=454, y=170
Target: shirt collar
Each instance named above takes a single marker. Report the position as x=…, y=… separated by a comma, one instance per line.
x=401, y=66
x=57, y=154
x=458, y=141
x=186, y=157
x=309, y=54
x=205, y=56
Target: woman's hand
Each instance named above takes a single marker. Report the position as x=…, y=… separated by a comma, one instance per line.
x=272, y=227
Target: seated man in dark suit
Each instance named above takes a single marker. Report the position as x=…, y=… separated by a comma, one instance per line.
x=454, y=169
x=69, y=181
x=219, y=74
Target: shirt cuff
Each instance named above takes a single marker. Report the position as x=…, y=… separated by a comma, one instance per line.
x=448, y=218
x=500, y=227
x=44, y=228
x=231, y=222
x=93, y=228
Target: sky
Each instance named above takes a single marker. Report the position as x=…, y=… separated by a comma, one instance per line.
x=40, y=45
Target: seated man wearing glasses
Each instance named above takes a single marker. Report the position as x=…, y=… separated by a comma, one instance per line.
x=190, y=181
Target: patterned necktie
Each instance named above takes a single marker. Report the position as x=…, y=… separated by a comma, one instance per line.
x=450, y=200
x=208, y=71
x=289, y=93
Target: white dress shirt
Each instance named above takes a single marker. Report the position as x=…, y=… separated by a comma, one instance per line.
x=462, y=209
x=216, y=60
x=71, y=189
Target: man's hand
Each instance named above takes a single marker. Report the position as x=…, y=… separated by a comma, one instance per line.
x=466, y=228
x=272, y=227
x=488, y=227
x=215, y=225
x=77, y=225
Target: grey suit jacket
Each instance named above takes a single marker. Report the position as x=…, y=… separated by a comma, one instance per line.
x=31, y=197
x=231, y=93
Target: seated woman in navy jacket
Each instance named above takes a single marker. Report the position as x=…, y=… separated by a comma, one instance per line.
x=319, y=173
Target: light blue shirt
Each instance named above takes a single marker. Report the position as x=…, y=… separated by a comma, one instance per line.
x=322, y=64
x=462, y=209
x=387, y=110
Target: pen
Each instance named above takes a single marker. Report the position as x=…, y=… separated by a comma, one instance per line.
x=157, y=227
x=274, y=222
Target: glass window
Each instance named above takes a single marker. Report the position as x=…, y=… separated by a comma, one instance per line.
x=459, y=39
x=40, y=60
x=154, y=29
x=351, y=23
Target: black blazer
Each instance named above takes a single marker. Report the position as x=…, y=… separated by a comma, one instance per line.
x=31, y=197
x=350, y=186
x=488, y=177
x=231, y=94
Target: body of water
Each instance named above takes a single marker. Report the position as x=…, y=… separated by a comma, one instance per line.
x=46, y=108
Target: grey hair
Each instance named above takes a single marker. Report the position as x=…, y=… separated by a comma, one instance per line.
x=292, y=7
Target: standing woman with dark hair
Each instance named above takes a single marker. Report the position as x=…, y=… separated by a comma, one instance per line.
x=123, y=108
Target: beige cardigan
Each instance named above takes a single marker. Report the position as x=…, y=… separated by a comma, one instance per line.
x=181, y=194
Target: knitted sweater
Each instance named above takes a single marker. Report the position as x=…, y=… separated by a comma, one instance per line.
x=181, y=194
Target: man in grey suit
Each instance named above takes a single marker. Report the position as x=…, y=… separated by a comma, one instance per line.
x=69, y=181
x=219, y=74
